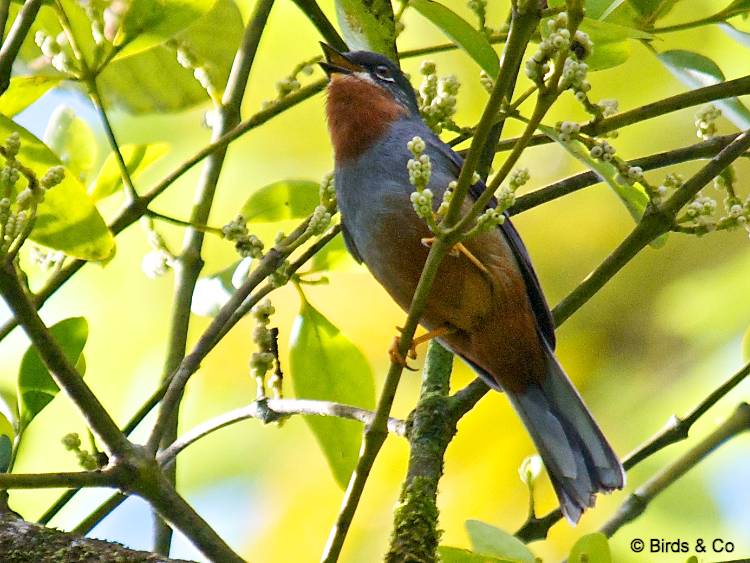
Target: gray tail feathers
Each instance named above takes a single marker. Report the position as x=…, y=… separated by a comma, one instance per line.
x=578, y=458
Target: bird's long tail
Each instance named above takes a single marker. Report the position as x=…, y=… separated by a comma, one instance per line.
x=578, y=458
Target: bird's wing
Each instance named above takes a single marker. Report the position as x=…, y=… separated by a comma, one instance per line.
x=349, y=243
x=544, y=320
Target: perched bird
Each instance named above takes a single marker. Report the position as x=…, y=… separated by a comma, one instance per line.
x=486, y=304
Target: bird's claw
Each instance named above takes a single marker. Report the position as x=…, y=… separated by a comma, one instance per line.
x=396, y=356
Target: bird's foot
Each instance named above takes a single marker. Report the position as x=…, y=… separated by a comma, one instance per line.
x=396, y=356
x=458, y=249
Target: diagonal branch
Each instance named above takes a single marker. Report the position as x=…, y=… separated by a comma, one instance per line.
x=190, y=263
x=64, y=374
x=16, y=36
x=637, y=502
x=653, y=224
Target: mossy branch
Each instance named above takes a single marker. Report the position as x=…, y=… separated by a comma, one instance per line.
x=431, y=427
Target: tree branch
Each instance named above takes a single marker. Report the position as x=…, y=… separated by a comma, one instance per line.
x=16, y=36
x=653, y=224
x=415, y=535
x=64, y=374
x=190, y=263
x=105, y=478
x=659, y=160
x=22, y=541
x=637, y=502
x=271, y=410
x=728, y=89
x=676, y=430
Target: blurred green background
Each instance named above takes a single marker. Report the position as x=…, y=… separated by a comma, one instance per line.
x=657, y=339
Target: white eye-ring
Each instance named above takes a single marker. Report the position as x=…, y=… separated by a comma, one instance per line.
x=384, y=73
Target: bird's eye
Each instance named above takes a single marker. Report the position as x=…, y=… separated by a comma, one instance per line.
x=384, y=73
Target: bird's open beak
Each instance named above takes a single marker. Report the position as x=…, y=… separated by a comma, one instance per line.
x=337, y=62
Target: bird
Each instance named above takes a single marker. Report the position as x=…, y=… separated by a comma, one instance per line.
x=486, y=305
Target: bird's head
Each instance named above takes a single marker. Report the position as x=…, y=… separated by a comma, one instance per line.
x=364, y=68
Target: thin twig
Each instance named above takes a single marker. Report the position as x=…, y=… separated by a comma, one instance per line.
x=16, y=36
x=675, y=430
x=189, y=262
x=653, y=224
x=637, y=502
x=270, y=410
x=57, y=480
x=64, y=374
x=728, y=89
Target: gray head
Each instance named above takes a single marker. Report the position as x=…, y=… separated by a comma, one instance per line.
x=375, y=68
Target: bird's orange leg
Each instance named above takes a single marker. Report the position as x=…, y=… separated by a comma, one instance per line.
x=457, y=249
x=396, y=356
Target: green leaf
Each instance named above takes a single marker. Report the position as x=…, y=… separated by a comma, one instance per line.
x=458, y=555
x=611, y=45
x=368, y=25
x=137, y=159
x=489, y=540
x=24, y=91
x=287, y=199
x=461, y=32
x=698, y=71
x=36, y=388
x=632, y=195
x=652, y=10
x=746, y=346
x=591, y=548
x=165, y=86
x=72, y=140
x=67, y=219
x=151, y=22
x=325, y=365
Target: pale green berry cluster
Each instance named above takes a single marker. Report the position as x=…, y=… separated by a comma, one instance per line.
x=291, y=83
x=568, y=130
x=319, y=220
x=518, y=178
x=479, y=7
x=487, y=82
x=54, y=50
x=202, y=69
x=705, y=121
x=18, y=206
x=671, y=182
x=262, y=360
x=558, y=39
x=328, y=191
x=608, y=107
x=156, y=263
x=246, y=244
x=487, y=221
x=574, y=78
x=72, y=443
x=437, y=98
x=160, y=260
x=701, y=208
x=420, y=172
x=602, y=150
x=447, y=197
